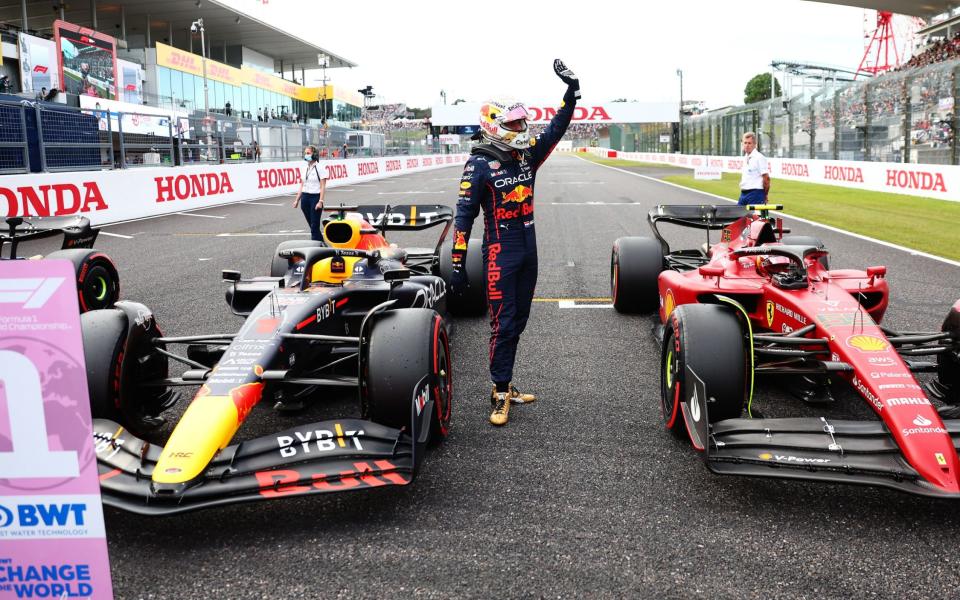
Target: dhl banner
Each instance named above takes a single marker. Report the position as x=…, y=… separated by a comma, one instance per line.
x=927, y=180
x=113, y=196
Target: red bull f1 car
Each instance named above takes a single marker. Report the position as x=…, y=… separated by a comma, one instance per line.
x=761, y=303
x=352, y=311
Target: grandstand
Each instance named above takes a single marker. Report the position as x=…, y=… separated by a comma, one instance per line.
x=904, y=115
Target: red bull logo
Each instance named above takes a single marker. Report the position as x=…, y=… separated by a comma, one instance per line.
x=459, y=241
x=518, y=194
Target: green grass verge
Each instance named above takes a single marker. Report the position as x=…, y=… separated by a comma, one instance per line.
x=924, y=224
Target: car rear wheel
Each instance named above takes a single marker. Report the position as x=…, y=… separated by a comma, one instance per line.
x=702, y=341
x=473, y=302
x=635, y=266
x=98, y=283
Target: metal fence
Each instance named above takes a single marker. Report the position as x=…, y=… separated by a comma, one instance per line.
x=68, y=139
x=905, y=116
x=14, y=150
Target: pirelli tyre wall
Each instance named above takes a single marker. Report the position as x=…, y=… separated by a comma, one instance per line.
x=930, y=181
x=113, y=196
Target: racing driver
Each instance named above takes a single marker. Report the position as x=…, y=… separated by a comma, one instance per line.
x=499, y=178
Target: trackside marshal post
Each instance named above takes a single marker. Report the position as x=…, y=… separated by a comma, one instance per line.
x=52, y=540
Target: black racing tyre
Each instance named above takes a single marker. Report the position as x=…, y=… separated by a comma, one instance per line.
x=119, y=357
x=474, y=302
x=407, y=368
x=709, y=340
x=279, y=265
x=947, y=384
x=98, y=282
x=807, y=240
x=635, y=266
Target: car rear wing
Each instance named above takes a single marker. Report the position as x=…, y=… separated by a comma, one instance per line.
x=405, y=217
x=76, y=231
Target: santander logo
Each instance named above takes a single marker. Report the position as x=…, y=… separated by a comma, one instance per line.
x=920, y=421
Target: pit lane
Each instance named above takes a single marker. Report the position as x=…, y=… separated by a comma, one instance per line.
x=583, y=493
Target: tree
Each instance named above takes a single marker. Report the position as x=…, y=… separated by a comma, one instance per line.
x=758, y=88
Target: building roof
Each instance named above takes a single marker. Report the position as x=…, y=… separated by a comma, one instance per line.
x=925, y=9
x=222, y=23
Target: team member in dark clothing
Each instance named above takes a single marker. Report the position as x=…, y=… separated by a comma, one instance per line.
x=499, y=178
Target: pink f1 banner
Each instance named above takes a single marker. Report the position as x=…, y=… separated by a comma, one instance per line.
x=52, y=539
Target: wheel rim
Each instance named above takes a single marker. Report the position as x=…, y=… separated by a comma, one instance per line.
x=669, y=384
x=444, y=377
x=100, y=284
x=97, y=289
x=613, y=280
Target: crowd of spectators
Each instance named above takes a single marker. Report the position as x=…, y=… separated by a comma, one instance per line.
x=936, y=52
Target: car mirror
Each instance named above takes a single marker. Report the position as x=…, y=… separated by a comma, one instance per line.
x=231, y=276
x=396, y=275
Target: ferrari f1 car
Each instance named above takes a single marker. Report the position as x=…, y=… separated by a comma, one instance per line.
x=98, y=284
x=758, y=302
x=352, y=311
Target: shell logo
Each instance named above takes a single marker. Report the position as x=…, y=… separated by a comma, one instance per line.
x=868, y=343
x=669, y=304
x=766, y=456
x=465, y=185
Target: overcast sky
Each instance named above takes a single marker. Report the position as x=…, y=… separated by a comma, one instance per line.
x=410, y=50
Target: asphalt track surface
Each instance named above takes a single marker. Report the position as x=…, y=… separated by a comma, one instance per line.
x=583, y=494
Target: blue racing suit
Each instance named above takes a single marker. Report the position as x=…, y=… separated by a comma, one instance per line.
x=503, y=188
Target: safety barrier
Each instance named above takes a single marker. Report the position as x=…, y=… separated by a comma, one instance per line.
x=930, y=181
x=121, y=195
x=14, y=156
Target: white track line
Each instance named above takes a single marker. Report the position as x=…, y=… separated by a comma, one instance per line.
x=263, y=203
x=186, y=214
x=118, y=235
x=786, y=216
x=405, y=193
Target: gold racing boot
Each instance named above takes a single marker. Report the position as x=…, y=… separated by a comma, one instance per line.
x=501, y=408
x=518, y=397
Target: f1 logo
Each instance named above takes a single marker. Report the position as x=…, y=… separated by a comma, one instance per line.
x=32, y=292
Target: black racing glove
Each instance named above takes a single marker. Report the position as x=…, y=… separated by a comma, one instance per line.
x=567, y=76
x=458, y=256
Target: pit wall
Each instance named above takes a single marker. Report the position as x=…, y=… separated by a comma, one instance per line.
x=113, y=196
x=929, y=181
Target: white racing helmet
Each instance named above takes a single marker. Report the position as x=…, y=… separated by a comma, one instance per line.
x=504, y=122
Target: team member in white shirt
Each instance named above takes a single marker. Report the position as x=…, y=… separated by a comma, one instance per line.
x=312, y=189
x=755, y=179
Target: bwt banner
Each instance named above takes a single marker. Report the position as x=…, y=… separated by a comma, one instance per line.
x=52, y=539
x=112, y=196
x=930, y=181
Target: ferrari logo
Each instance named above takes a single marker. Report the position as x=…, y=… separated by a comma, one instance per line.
x=770, y=312
x=941, y=459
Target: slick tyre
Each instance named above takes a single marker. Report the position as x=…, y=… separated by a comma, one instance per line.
x=635, y=266
x=118, y=350
x=473, y=302
x=406, y=371
x=98, y=283
x=947, y=384
x=279, y=265
x=807, y=240
x=708, y=340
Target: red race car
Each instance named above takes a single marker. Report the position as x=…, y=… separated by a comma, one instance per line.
x=761, y=303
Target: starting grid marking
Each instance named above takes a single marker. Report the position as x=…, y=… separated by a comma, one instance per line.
x=597, y=302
